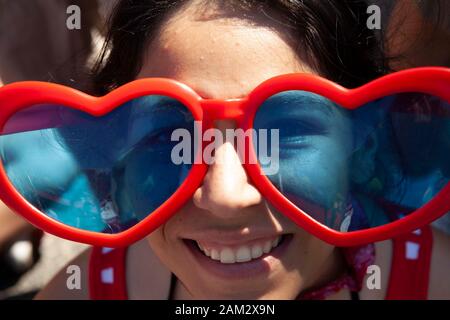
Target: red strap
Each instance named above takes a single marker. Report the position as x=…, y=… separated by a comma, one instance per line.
x=107, y=276
x=410, y=269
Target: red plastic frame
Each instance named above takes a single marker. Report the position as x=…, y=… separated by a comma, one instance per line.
x=14, y=97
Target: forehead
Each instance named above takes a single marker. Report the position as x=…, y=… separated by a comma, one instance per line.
x=219, y=57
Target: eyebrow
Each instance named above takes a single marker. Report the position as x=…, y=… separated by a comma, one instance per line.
x=161, y=105
x=308, y=101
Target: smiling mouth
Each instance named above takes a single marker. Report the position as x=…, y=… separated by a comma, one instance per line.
x=238, y=254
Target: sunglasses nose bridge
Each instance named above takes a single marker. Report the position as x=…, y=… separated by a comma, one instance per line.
x=223, y=109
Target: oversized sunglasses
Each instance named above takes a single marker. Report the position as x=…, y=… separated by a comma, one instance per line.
x=350, y=166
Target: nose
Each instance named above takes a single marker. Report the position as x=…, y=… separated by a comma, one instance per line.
x=226, y=189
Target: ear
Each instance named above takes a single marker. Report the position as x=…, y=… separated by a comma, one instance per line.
x=363, y=161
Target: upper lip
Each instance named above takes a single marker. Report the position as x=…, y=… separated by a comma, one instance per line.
x=229, y=238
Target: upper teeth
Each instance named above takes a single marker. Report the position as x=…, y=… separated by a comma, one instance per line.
x=242, y=253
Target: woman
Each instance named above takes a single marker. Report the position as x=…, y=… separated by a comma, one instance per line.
x=224, y=50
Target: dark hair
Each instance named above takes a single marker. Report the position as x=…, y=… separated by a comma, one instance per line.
x=329, y=35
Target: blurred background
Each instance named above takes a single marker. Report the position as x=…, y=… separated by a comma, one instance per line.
x=35, y=44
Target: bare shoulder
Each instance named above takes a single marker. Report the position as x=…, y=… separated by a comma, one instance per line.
x=439, y=286
x=57, y=288
x=147, y=277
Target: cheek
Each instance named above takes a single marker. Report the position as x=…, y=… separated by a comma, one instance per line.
x=166, y=239
x=157, y=241
x=165, y=247
x=312, y=251
x=309, y=257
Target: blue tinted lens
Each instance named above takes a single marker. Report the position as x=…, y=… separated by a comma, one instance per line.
x=353, y=170
x=102, y=174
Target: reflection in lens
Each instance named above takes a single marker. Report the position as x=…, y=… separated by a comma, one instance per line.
x=353, y=170
x=102, y=174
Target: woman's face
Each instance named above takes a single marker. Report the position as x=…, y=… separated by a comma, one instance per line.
x=223, y=58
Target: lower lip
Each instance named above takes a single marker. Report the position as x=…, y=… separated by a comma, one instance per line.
x=257, y=267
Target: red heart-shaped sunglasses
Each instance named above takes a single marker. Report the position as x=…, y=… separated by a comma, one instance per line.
x=350, y=166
